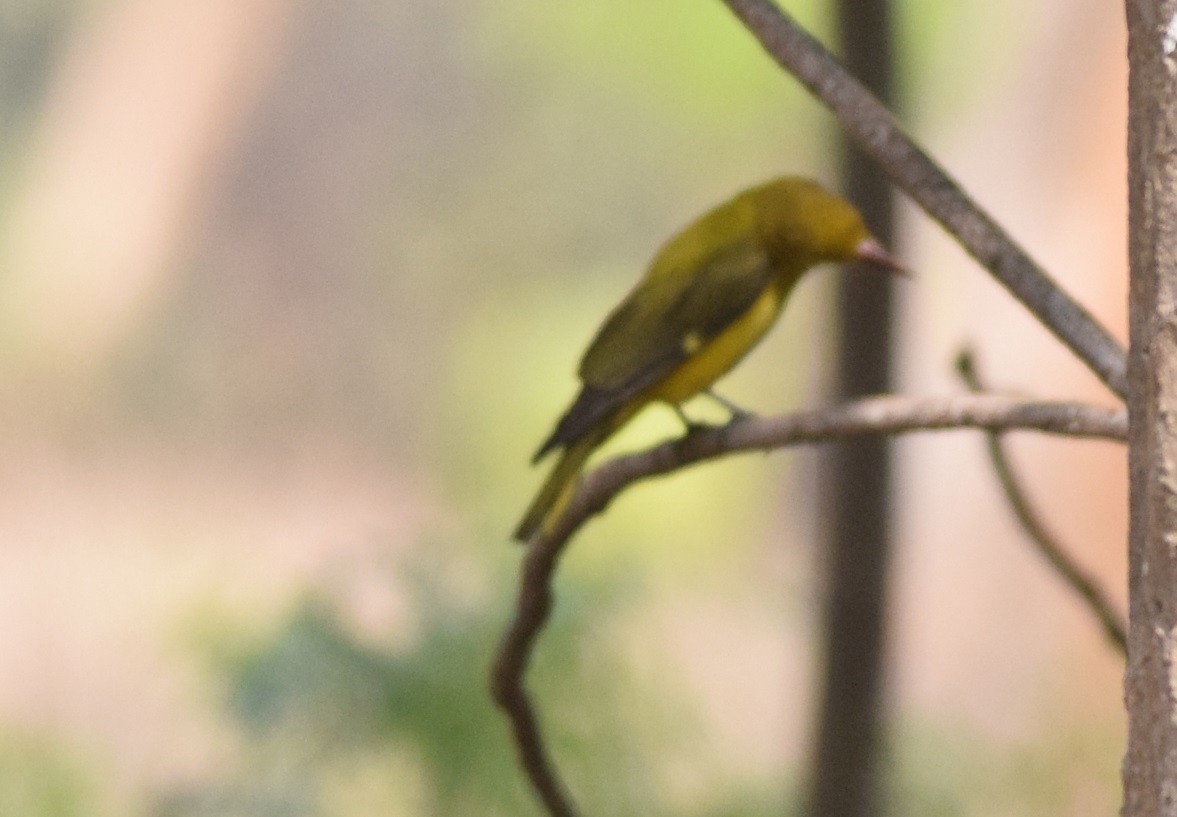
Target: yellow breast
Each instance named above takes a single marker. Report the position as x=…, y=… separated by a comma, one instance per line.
x=708, y=362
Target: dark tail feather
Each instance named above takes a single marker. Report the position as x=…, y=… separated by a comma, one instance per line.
x=557, y=488
x=591, y=408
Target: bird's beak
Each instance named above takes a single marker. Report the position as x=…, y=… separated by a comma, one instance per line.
x=869, y=249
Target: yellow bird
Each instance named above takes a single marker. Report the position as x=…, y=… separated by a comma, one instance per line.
x=708, y=297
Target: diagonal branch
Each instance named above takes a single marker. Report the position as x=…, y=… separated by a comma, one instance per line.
x=879, y=135
x=874, y=415
x=1044, y=541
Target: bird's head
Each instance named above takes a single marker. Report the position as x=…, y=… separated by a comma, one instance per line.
x=803, y=224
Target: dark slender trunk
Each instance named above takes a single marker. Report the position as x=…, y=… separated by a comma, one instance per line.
x=844, y=779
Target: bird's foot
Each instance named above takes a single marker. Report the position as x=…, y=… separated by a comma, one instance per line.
x=738, y=413
x=691, y=426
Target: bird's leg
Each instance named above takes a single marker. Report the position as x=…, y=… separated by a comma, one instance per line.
x=737, y=412
x=690, y=425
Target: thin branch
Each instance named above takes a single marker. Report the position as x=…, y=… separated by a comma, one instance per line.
x=874, y=415
x=879, y=135
x=1044, y=541
x=531, y=613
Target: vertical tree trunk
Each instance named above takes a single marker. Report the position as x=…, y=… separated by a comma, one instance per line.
x=1150, y=684
x=844, y=777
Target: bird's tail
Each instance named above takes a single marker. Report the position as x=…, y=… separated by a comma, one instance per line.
x=557, y=488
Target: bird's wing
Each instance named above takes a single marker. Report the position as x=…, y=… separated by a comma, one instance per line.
x=671, y=313
x=683, y=303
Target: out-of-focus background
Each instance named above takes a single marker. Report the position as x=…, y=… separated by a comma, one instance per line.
x=291, y=289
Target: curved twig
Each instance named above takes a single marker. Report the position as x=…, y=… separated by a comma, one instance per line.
x=1044, y=541
x=874, y=415
x=876, y=131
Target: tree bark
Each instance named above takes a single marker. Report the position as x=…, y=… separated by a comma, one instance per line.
x=1150, y=683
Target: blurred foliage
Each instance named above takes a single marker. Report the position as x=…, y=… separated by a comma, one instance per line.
x=320, y=706
x=943, y=769
x=32, y=36
x=647, y=54
x=932, y=34
x=43, y=778
x=337, y=723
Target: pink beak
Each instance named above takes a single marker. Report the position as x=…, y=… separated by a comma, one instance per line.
x=871, y=250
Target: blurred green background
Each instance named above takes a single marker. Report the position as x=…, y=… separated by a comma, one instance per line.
x=291, y=289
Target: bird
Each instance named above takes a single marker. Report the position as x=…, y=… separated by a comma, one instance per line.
x=708, y=297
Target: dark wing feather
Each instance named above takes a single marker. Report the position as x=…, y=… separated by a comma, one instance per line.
x=647, y=331
x=645, y=337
